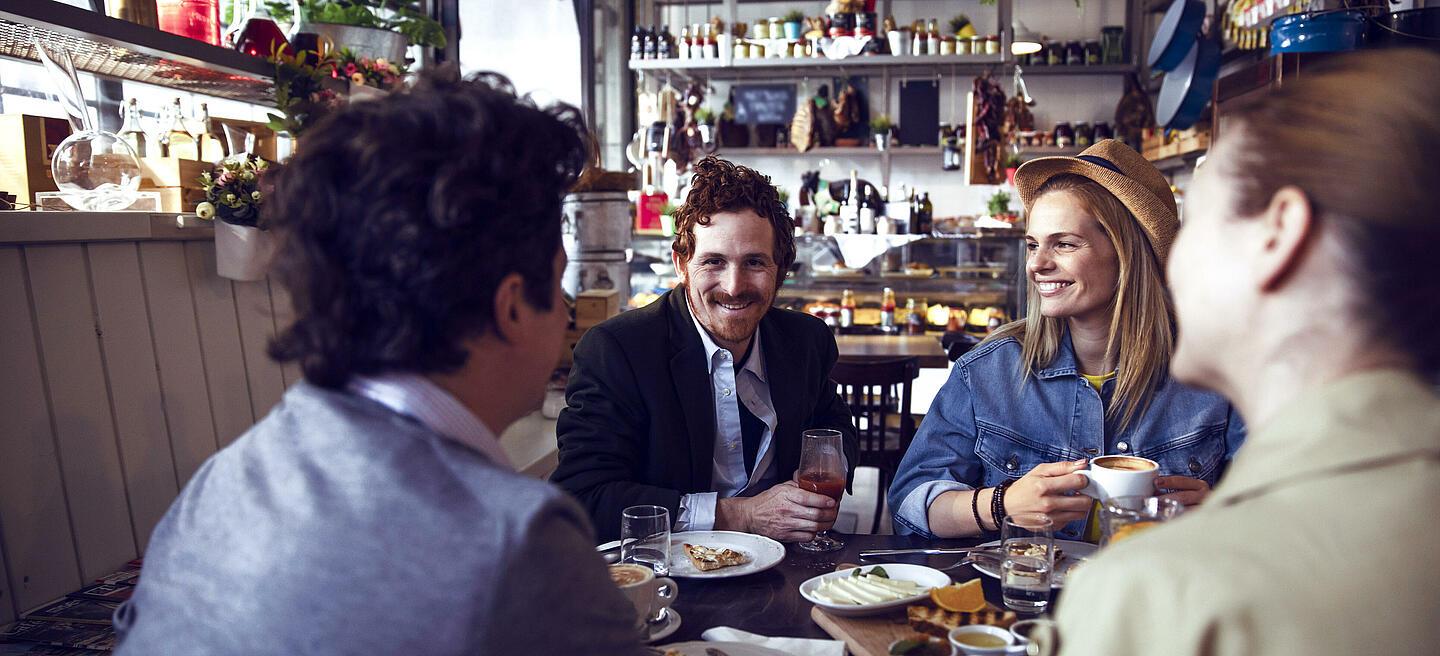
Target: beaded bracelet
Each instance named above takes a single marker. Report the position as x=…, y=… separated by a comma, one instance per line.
x=997, y=502
x=975, y=510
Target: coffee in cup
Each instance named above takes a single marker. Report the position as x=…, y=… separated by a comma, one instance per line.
x=1120, y=476
x=649, y=594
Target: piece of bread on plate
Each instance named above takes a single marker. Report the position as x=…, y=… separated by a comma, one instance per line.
x=708, y=559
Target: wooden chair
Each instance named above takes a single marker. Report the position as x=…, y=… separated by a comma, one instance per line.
x=878, y=393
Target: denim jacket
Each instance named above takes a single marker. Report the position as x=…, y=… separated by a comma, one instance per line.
x=985, y=427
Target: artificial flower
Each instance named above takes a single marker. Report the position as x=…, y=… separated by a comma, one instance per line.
x=357, y=78
x=205, y=210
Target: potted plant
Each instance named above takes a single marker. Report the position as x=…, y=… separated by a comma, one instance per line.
x=378, y=29
x=882, y=129
x=303, y=91
x=667, y=219
x=243, y=247
x=999, y=207
x=961, y=26
x=794, y=20
x=1012, y=164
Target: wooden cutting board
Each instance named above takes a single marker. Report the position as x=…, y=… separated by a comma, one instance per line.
x=865, y=636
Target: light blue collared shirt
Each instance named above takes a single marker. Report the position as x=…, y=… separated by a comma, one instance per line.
x=728, y=475
x=415, y=396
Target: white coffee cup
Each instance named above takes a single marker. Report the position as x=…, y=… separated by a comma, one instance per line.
x=1120, y=476
x=649, y=594
x=964, y=639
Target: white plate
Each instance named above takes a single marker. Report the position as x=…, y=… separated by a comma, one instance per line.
x=764, y=553
x=698, y=647
x=1074, y=552
x=927, y=577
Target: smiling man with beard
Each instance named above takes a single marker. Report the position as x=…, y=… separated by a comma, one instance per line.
x=696, y=402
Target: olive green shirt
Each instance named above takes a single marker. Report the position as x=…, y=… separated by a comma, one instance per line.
x=1323, y=538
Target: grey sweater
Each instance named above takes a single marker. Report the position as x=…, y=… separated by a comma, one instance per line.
x=336, y=526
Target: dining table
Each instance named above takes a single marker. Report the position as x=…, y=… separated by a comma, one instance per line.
x=769, y=602
x=927, y=348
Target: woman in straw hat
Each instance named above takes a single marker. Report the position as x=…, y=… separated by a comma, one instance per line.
x=1085, y=374
x=1305, y=288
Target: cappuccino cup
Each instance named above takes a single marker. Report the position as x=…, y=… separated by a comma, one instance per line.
x=1120, y=476
x=649, y=594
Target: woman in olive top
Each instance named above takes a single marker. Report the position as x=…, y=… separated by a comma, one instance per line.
x=1085, y=374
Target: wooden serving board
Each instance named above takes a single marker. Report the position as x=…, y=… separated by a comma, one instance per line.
x=865, y=636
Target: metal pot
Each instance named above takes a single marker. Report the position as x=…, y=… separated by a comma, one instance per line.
x=607, y=270
x=597, y=221
x=371, y=42
x=1324, y=31
x=1414, y=27
x=1187, y=89
x=1176, y=34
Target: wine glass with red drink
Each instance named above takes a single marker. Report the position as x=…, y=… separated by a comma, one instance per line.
x=822, y=470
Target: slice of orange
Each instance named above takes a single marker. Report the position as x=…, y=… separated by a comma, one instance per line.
x=967, y=597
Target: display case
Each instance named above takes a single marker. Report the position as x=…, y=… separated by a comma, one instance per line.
x=978, y=269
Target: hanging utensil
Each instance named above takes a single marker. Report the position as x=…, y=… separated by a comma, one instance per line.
x=1176, y=34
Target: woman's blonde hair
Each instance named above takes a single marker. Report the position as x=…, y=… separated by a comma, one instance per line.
x=1142, y=323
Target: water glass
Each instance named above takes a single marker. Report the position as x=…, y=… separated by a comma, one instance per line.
x=1123, y=517
x=645, y=537
x=1028, y=546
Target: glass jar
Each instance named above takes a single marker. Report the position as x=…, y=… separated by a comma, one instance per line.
x=1055, y=53
x=1064, y=135
x=947, y=46
x=1092, y=53
x=1103, y=132
x=1074, y=53
x=1040, y=57
x=1112, y=44
x=1084, y=136
x=992, y=45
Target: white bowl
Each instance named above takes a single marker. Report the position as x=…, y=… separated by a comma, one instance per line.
x=927, y=577
x=994, y=631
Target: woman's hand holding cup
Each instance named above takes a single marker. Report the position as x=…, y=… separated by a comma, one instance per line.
x=1049, y=489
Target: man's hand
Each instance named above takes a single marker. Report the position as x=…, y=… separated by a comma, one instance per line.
x=784, y=512
x=1186, y=490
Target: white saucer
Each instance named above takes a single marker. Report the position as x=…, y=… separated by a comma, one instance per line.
x=666, y=629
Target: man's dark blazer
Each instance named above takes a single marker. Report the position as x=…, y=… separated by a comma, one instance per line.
x=639, y=422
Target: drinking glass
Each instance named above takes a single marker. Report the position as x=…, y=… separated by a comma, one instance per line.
x=822, y=470
x=1028, y=546
x=1123, y=517
x=645, y=537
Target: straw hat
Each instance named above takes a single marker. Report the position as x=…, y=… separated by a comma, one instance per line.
x=1121, y=171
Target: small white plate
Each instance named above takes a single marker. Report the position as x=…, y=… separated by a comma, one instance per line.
x=927, y=577
x=698, y=647
x=664, y=629
x=764, y=553
x=1074, y=552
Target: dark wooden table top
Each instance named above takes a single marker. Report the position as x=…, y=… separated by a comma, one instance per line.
x=877, y=347
x=769, y=603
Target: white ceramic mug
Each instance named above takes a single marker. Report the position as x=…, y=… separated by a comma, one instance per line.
x=649, y=594
x=962, y=640
x=1120, y=476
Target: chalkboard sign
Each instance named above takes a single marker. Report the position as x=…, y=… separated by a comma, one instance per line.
x=764, y=104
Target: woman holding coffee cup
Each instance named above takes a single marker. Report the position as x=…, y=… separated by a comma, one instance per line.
x=1084, y=375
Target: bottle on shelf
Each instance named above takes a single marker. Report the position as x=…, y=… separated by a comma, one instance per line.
x=665, y=49
x=177, y=141
x=212, y=143
x=712, y=43
x=682, y=47
x=914, y=211
x=847, y=309
x=927, y=215
x=652, y=43
x=932, y=38
x=130, y=129
x=259, y=36
x=195, y=19
x=637, y=43
x=866, y=212
x=887, y=310
x=697, y=42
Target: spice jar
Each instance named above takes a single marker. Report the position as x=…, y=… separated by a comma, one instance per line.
x=1092, y=53
x=1112, y=44
x=1102, y=131
x=992, y=45
x=1055, y=53
x=1084, y=136
x=947, y=46
x=1074, y=53
x=1064, y=135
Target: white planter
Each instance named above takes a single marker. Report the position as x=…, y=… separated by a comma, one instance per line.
x=242, y=252
x=371, y=42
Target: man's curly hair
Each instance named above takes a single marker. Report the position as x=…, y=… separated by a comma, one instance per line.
x=721, y=186
x=400, y=216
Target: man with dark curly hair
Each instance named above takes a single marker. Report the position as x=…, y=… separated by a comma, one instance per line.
x=696, y=402
x=373, y=510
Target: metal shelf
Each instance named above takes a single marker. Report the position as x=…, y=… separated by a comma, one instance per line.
x=120, y=49
x=1177, y=162
x=834, y=151
x=1101, y=69
x=795, y=66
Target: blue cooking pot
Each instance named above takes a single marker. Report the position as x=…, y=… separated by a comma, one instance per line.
x=1176, y=34
x=1186, y=90
x=1321, y=31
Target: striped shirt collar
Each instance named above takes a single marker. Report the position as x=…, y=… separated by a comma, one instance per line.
x=415, y=396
